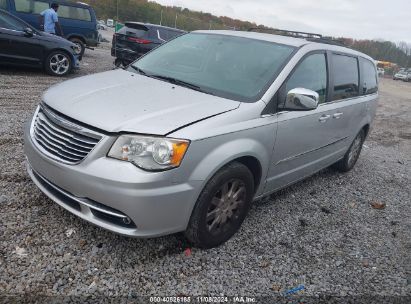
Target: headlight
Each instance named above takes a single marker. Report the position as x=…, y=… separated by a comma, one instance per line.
x=149, y=153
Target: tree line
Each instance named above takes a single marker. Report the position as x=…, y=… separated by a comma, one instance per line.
x=183, y=18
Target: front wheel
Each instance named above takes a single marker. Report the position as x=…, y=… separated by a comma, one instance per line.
x=221, y=207
x=351, y=156
x=58, y=63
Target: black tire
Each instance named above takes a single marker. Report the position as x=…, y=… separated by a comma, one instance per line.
x=200, y=232
x=80, y=44
x=58, y=63
x=351, y=156
x=118, y=63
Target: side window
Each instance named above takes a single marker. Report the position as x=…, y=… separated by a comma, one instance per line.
x=72, y=12
x=310, y=74
x=173, y=34
x=369, y=77
x=30, y=6
x=3, y=4
x=10, y=23
x=345, y=75
x=163, y=34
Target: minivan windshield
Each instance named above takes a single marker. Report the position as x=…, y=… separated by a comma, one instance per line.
x=227, y=66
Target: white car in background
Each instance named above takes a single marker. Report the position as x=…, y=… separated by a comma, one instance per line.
x=401, y=75
x=381, y=72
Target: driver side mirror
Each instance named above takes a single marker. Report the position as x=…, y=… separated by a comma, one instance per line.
x=28, y=32
x=300, y=99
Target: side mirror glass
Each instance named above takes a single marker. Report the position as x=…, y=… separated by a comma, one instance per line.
x=300, y=99
x=28, y=32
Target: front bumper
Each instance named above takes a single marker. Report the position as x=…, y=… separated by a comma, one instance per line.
x=104, y=191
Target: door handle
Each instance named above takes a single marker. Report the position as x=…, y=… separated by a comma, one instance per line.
x=324, y=118
x=337, y=115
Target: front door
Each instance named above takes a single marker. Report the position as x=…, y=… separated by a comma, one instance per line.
x=306, y=140
x=15, y=45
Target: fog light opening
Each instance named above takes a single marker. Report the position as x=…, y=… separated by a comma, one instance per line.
x=126, y=220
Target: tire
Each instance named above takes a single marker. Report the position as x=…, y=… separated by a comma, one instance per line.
x=58, y=63
x=80, y=44
x=351, y=156
x=118, y=63
x=224, y=216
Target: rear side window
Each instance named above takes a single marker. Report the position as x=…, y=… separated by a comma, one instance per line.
x=310, y=74
x=3, y=4
x=172, y=34
x=369, y=77
x=30, y=6
x=345, y=75
x=72, y=12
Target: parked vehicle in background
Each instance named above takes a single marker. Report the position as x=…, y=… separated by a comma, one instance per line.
x=110, y=22
x=135, y=39
x=401, y=75
x=381, y=72
x=23, y=45
x=408, y=78
x=77, y=20
x=101, y=25
x=186, y=137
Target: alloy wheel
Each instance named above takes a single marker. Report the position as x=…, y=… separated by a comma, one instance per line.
x=225, y=206
x=59, y=64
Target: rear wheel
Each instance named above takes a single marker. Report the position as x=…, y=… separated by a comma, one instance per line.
x=221, y=207
x=351, y=156
x=58, y=63
x=81, y=47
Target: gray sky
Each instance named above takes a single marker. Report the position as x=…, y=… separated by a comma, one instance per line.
x=368, y=19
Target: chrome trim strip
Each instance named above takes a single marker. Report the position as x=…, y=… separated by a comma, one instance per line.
x=310, y=151
x=44, y=118
x=68, y=124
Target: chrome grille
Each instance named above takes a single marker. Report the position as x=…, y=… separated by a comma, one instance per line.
x=60, y=138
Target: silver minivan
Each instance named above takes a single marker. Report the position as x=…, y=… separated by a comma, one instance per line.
x=186, y=137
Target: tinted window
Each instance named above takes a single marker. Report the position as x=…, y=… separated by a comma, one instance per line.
x=172, y=34
x=227, y=66
x=369, y=77
x=3, y=4
x=311, y=74
x=30, y=6
x=345, y=75
x=166, y=34
x=133, y=32
x=72, y=12
x=11, y=23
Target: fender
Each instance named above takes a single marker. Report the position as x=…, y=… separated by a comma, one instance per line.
x=239, y=147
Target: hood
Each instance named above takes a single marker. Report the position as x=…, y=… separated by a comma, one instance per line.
x=123, y=101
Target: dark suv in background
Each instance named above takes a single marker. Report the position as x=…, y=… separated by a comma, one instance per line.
x=135, y=39
x=78, y=20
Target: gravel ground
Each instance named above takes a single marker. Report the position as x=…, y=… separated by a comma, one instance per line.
x=322, y=232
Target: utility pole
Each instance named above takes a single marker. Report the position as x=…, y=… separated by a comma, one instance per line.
x=210, y=25
x=161, y=17
x=175, y=22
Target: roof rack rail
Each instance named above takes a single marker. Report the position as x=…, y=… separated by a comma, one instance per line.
x=295, y=34
x=308, y=36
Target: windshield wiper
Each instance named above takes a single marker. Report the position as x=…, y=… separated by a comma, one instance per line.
x=180, y=83
x=140, y=71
